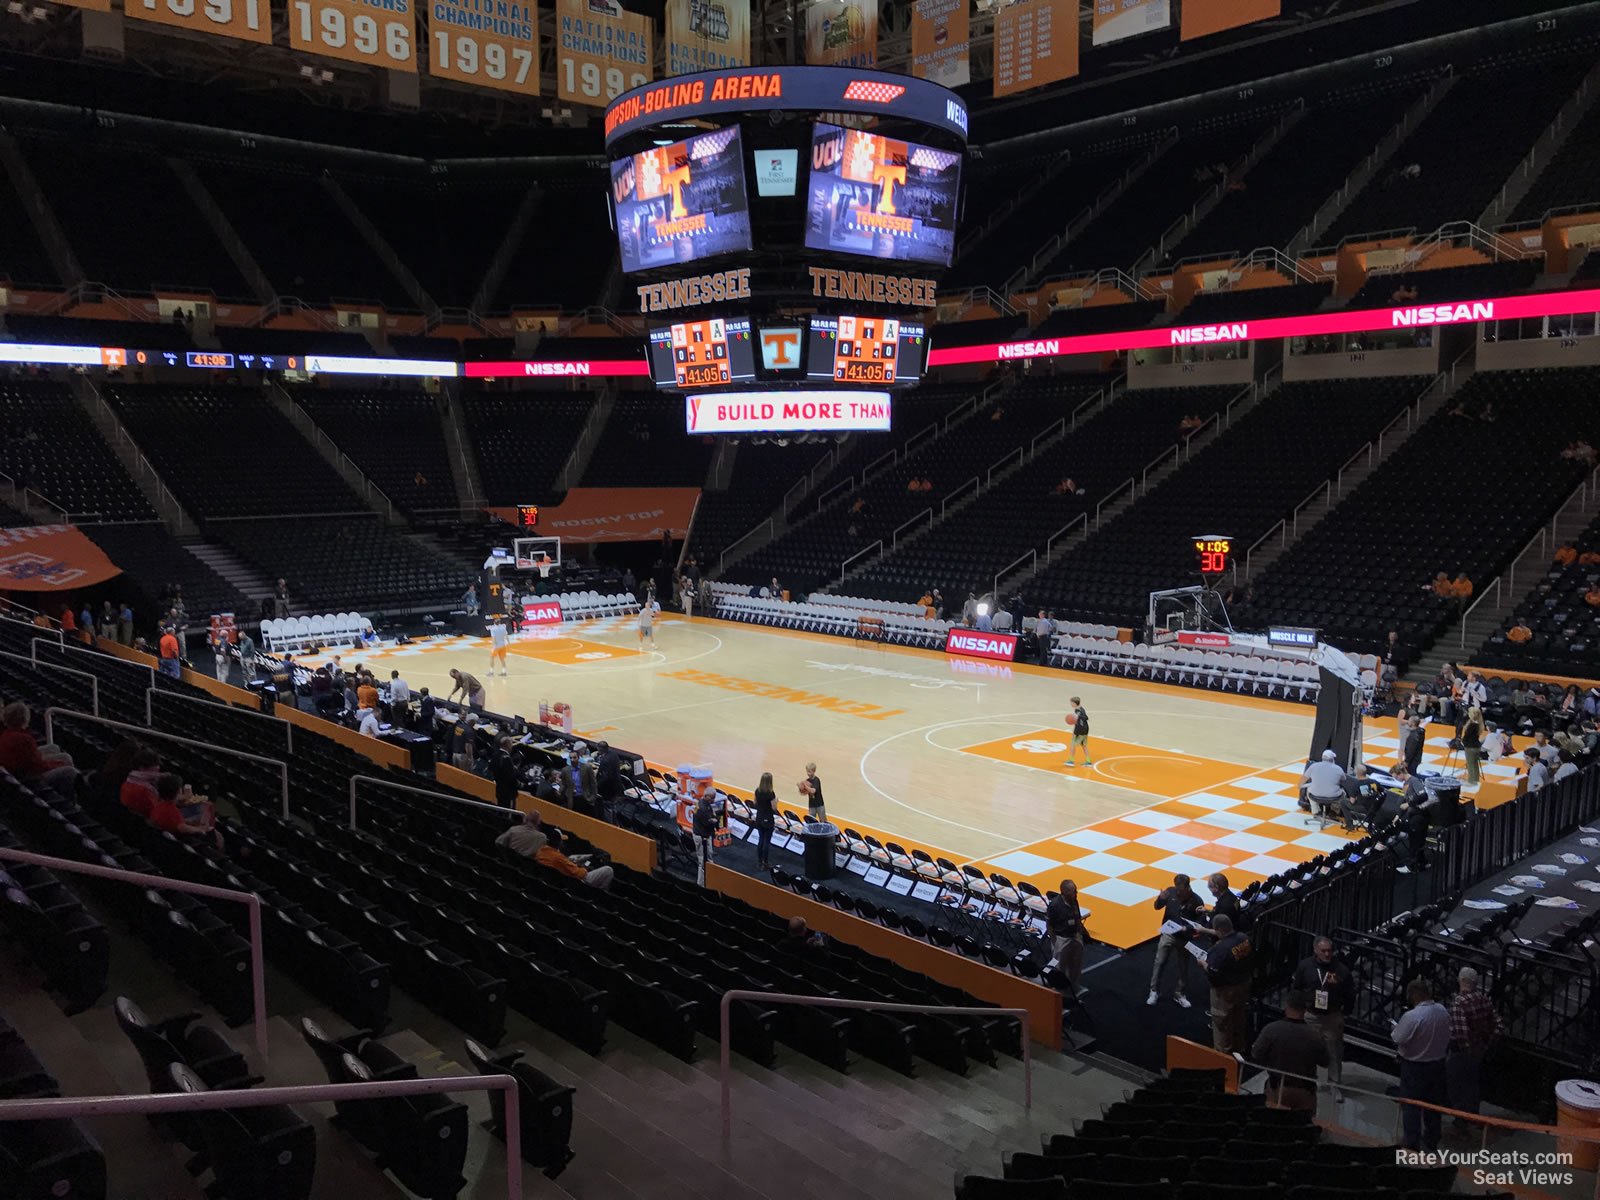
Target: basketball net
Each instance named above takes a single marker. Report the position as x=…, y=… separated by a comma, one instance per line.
x=544, y=566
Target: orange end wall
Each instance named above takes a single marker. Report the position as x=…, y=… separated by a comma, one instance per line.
x=1181, y=1052
x=997, y=987
x=629, y=849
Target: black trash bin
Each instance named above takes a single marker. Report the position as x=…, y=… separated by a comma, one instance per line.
x=1446, y=789
x=819, y=838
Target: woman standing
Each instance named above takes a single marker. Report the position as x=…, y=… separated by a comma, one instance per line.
x=1472, y=743
x=766, y=818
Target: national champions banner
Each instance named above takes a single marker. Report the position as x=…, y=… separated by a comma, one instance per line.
x=602, y=50
x=51, y=558
x=941, y=41
x=707, y=35
x=842, y=33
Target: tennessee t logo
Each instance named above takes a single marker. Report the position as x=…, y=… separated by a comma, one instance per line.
x=780, y=347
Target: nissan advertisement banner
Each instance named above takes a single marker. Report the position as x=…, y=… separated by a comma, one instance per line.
x=786, y=412
x=975, y=643
x=541, y=612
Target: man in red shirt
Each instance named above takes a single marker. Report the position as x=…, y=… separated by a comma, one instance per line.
x=138, y=792
x=173, y=796
x=169, y=654
x=21, y=754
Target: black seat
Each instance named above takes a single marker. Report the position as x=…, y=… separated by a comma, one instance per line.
x=48, y=1160
x=422, y=1139
x=545, y=1108
x=266, y=1153
x=178, y=1039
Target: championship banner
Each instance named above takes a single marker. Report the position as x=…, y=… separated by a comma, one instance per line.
x=842, y=33
x=707, y=35
x=489, y=46
x=602, y=50
x=941, y=41
x=1035, y=44
x=248, y=20
x=1201, y=18
x=51, y=558
x=374, y=33
x=614, y=514
x=1118, y=19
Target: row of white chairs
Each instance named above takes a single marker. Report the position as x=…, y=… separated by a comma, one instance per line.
x=329, y=629
x=1288, y=678
x=830, y=618
x=578, y=606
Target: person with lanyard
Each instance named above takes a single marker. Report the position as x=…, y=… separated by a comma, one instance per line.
x=1324, y=784
x=1065, y=920
x=811, y=789
x=1422, y=1039
x=766, y=818
x=1180, y=906
x=1292, y=1047
x=1328, y=984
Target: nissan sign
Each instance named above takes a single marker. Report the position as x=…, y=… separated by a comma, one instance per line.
x=975, y=643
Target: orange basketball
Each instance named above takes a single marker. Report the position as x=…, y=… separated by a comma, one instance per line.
x=1072, y=718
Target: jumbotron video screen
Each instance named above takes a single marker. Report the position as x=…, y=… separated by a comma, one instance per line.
x=881, y=197
x=682, y=202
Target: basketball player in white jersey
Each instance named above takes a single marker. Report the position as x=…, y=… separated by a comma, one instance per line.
x=499, y=641
x=647, y=619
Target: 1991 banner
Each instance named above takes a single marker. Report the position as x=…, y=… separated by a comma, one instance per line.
x=248, y=20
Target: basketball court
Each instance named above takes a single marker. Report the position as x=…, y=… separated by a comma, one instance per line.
x=962, y=758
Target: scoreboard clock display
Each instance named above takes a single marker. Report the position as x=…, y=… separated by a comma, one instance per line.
x=1215, y=552
x=698, y=354
x=379, y=34
x=865, y=351
x=248, y=20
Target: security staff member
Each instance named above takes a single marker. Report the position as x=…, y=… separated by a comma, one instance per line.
x=1328, y=984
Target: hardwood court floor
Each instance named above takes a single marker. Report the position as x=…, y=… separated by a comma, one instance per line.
x=960, y=757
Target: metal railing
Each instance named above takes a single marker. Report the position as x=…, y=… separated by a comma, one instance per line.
x=1281, y=529
x=1017, y=453
x=63, y=644
x=149, y=717
x=1050, y=543
x=30, y=616
x=1174, y=451
x=148, y=1104
x=894, y=538
x=955, y=492
x=844, y=567
x=252, y=903
x=50, y=715
x=94, y=680
x=1032, y=557
x=1127, y=485
x=1021, y=1014
x=768, y=525
x=377, y=781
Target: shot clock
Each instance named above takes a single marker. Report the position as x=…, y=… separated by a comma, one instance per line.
x=1214, y=550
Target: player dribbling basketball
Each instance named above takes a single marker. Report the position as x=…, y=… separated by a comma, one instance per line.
x=1078, y=722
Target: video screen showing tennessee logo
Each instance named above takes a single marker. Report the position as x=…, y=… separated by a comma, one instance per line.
x=699, y=354
x=679, y=203
x=881, y=197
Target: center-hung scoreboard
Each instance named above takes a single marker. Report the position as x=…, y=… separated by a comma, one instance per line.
x=786, y=249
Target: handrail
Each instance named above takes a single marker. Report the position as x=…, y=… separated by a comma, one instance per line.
x=1482, y=596
x=149, y=717
x=843, y=487
x=283, y=767
x=251, y=901
x=1072, y=417
x=1188, y=438
x=891, y=454
x=64, y=1107
x=1049, y=546
x=7, y=604
x=723, y=557
x=1112, y=495
x=1281, y=528
x=988, y=479
x=927, y=432
x=956, y=491
x=960, y=409
x=728, y=998
x=1059, y=424
x=1006, y=570
x=63, y=644
x=894, y=538
x=94, y=680
x=378, y=781
x=1325, y=488
x=1176, y=450
x=844, y=567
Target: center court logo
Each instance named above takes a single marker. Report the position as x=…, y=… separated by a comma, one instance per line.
x=978, y=644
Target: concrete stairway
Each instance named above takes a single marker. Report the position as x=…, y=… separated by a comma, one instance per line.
x=116, y=436
x=231, y=567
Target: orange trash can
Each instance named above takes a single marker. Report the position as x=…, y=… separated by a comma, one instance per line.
x=1578, y=1106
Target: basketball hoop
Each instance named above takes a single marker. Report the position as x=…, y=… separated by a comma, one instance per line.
x=544, y=565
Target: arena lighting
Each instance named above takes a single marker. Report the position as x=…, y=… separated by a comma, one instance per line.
x=1366, y=320
x=322, y=364
x=983, y=608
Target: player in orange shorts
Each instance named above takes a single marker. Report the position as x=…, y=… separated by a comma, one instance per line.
x=500, y=642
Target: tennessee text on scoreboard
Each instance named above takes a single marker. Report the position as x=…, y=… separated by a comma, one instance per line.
x=602, y=50
x=490, y=43
x=248, y=20
x=377, y=33
x=707, y=35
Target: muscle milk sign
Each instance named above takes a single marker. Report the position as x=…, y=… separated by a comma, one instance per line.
x=974, y=643
x=541, y=612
